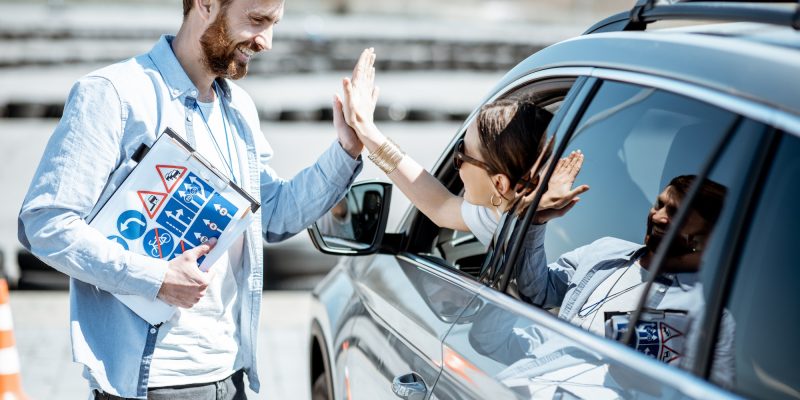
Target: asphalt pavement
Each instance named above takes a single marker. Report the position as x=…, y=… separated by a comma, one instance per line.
x=41, y=329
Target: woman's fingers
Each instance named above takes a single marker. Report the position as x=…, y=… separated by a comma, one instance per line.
x=576, y=162
x=573, y=194
x=375, y=92
x=363, y=66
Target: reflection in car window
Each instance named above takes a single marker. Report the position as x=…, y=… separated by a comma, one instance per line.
x=533, y=361
x=643, y=149
x=635, y=140
x=765, y=293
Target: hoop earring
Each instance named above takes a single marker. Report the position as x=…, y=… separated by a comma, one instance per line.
x=500, y=200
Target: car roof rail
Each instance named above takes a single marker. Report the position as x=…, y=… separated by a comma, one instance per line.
x=645, y=12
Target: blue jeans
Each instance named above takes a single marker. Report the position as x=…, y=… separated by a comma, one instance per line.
x=230, y=388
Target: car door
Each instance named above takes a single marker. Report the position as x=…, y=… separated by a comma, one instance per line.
x=410, y=303
x=636, y=136
x=411, y=299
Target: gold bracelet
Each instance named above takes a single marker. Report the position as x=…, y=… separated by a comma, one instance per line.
x=387, y=156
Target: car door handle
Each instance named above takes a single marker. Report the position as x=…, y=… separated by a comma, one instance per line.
x=409, y=386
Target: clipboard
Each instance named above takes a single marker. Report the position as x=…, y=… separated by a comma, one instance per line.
x=172, y=201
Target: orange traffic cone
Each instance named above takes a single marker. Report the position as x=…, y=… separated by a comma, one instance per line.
x=10, y=380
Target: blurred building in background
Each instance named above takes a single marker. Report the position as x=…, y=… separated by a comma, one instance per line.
x=436, y=60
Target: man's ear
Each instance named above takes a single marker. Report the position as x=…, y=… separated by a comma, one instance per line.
x=502, y=184
x=204, y=8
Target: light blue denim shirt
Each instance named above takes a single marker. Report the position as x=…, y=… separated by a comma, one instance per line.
x=108, y=114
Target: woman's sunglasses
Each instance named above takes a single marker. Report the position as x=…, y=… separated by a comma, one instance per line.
x=460, y=157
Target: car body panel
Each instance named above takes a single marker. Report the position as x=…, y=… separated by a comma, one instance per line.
x=407, y=311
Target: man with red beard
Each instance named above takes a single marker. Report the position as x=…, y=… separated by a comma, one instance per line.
x=184, y=83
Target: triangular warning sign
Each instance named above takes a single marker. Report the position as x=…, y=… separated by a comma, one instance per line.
x=668, y=354
x=151, y=201
x=170, y=175
x=668, y=332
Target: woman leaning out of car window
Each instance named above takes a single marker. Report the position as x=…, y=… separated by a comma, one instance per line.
x=500, y=152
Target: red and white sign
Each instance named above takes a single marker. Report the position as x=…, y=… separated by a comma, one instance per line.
x=152, y=201
x=170, y=175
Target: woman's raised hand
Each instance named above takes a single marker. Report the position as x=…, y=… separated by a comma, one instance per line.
x=560, y=196
x=360, y=92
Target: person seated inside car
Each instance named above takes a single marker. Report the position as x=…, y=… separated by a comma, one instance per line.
x=597, y=286
x=495, y=159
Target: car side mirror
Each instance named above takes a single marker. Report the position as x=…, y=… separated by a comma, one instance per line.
x=355, y=225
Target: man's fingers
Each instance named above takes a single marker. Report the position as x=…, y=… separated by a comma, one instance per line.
x=347, y=88
x=201, y=250
x=358, y=66
x=347, y=84
x=337, y=103
x=210, y=274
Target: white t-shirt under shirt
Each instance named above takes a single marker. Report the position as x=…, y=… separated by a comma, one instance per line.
x=481, y=221
x=201, y=344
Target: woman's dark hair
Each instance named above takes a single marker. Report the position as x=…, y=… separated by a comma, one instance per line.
x=512, y=134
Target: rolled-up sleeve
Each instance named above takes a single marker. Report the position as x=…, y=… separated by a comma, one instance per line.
x=79, y=158
x=289, y=206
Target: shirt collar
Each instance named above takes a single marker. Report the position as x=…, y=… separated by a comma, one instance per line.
x=684, y=280
x=635, y=253
x=173, y=73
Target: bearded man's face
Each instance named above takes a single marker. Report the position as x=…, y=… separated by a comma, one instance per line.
x=223, y=57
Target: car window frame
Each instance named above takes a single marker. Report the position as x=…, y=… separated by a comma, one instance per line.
x=564, y=125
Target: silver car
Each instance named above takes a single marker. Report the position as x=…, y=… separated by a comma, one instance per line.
x=421, y=312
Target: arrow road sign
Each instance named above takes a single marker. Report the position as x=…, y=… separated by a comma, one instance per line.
x=223, y=212
x=193, y=192
x=131, y=224
x=212, y=226
x=176, y=217
x=119, y=240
